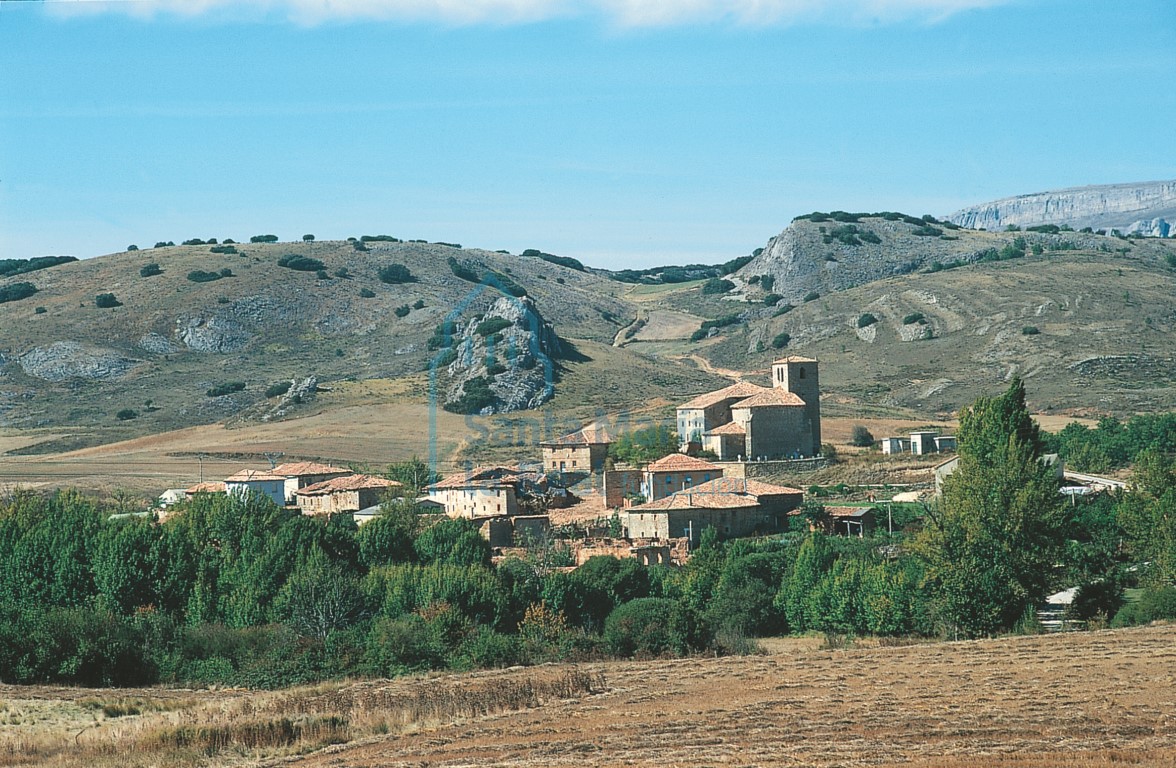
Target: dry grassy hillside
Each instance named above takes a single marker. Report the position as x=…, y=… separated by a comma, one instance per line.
x=1078, y=700
x=1091, y=332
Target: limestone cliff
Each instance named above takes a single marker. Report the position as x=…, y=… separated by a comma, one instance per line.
x=1148, y=208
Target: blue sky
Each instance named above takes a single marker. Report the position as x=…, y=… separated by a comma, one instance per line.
x=622, y=132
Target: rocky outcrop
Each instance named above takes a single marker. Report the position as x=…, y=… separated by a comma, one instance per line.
x=302, y=390
x=1148, y=208
x=504, y=361
x=806, y=258
x=211, y=334
x=63, y=360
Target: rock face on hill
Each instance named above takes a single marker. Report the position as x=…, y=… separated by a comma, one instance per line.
x=825, y=255
x=1148, y=208
x=72, y=360
x=504, y=361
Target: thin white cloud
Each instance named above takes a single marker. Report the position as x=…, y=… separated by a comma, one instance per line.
x=623, y=13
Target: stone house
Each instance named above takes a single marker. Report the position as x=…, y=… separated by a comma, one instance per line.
x=300, y=474
x=260, y=481
x=480, y=492
x=747, y=421
x=582, y=451
x=734, y=507
x=349, y=493
x=674, y=473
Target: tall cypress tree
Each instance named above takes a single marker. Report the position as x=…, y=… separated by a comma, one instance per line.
x=990, y=547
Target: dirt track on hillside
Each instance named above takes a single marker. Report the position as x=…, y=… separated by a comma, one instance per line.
x=1096, y=699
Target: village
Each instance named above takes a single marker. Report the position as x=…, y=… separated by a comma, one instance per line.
x=742, y=449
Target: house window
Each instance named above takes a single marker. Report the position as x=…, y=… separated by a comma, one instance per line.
x=669, y=479
x=801, y=372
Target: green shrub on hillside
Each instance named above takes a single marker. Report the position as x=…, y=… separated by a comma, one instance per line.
x=16, y=292
x=40, y=311
x=492, y=325
x=781, y=340
x=462, y=270
x=164, y=244
x=476, y=396
x=782, y=309
x=395, y=274
x=264, y=239
x=149, y=270
x=402, y=310
x=717, y=285
x=228, y=388
x=563, y=261
x=378, y=239
x=418, y=304
x=308, y=238
x=300, y=263
x=812, y=296
x=914, y=317
x=132, y=247
x=767, y=282
x=229, y=249
x=279, y=389
x=11, y=267
x=200, y=276
x=772, y=299
x=367, y=293
x=126, y=414
x=1030, y=330
x=865, y=320
x=106, y=301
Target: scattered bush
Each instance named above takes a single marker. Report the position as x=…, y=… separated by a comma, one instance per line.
x=492, y=325
x=106, y=301
x=1030, y=330
x=200, y=276
x=126, y=414
x=16, y=292
x=767, y=282
x=717, y=285
x=563, y=261
x=418, y=304
x=367, y=293
x=343, y=273
x=781, y=340
x=402, y=310
x=229, y=249
x=924, y=230
x=322, y=274
x=300, y=263
x=11, y=267
x=861, y=437
x=40, y=311
x=279, y=389
x=772, y=299
x=149, y=270
x=264, y=239
x=476, y=396
x=812, y=296
x=395, y=274
x=378, y=239
x=193, y=241
x=308, y=238
x=132, y=247
x=782, y=309
x=865, y=320
x=914, y=317
x=462, y=270
x=220, y=390
x=226, y=272
x=164, y=244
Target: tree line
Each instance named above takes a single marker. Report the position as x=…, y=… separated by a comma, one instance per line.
x=234, y=590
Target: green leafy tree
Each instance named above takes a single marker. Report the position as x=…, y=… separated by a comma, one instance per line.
x=990, y=548
x=455, y=541
x=1148, y=516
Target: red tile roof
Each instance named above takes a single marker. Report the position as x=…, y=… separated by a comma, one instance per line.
x=206, y=487
x=689, y=499
x=730, y=428
x=847, y=511
x=738, y=390
x=303, y=468
x=742, y=486
x=348, y=483
x=482, y=476
x=592, y=434
x=254, y=476
x=680, y=462
x=770, y=397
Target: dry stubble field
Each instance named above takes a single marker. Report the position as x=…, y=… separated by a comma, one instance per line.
x=1081, y=700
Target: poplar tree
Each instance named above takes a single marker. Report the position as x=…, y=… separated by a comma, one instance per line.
x=991, y=545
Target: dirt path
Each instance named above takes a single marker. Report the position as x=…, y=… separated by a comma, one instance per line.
x=706, y=365
x=1074, y=701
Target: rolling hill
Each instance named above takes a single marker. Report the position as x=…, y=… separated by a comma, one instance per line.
x=909, y=316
